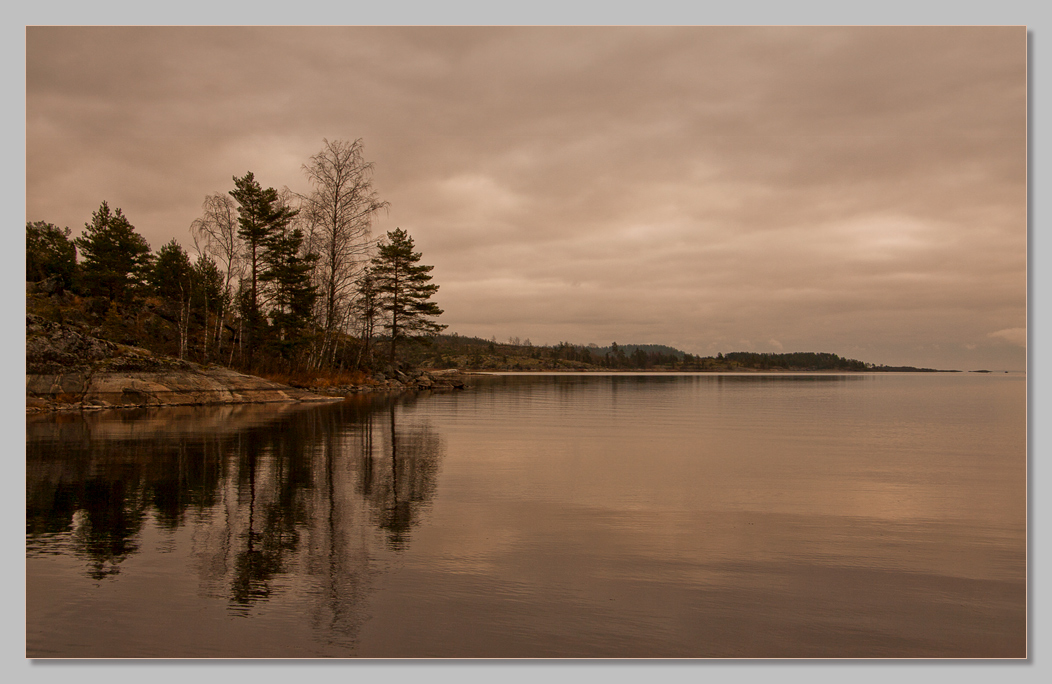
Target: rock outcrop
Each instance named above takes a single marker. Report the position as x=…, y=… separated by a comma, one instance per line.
x=69, y=368
x=416, y=381
x=66, y=368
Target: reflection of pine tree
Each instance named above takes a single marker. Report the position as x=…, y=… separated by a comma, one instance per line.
x=312, y=493
x=406, y=482
x=274, y=509
x=185, y=477
x=100, y=493
x=107, y=530
x=339, y=544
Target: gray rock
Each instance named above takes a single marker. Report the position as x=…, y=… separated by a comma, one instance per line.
x=66, y=368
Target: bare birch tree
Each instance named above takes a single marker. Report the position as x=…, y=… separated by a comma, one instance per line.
x=340, y=210
x=217, y=229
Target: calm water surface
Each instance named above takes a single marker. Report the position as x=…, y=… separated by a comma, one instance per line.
x=858, y=515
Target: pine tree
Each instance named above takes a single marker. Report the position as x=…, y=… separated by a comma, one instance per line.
x=207, y=296
x=171, y=279
x=403, y=291
x=261, y=216
x=49, y=252
x=170, y=274
x=293, y=294
x=116, y=258
x=366, y=309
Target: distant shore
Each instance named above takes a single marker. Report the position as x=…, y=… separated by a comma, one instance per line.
x=710, y=371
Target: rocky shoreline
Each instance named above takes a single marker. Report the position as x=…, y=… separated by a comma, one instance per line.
x=399, y=382
x=68, y=369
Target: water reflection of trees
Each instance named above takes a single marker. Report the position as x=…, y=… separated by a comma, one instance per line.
x=308, y=499
x=93, y=497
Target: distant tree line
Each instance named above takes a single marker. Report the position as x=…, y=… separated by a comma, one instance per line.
x=794, y=361
x=458, y=351
x=278, y=281
x=624, y=356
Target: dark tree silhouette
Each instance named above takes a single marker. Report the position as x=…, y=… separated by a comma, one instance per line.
x=261, y=216
x=116, y=258
x=403, y=291
x=171, y=279
x=293, y=295
x=49, y=252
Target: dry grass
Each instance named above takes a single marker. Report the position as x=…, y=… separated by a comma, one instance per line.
x=320, y=380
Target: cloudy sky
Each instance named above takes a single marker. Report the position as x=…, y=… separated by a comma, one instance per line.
x=860, y=191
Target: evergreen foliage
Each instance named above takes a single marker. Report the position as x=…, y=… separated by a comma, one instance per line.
x=207, y=283
x=284, y=283
x=794, y=361
x=367, y=310
x=208, y=299
x=170, y=277
x=171, y=280
x=261, y=217
x=116, y=258
x=49, y=252
x=404, y=290
x=456, y=351
x=292, y=294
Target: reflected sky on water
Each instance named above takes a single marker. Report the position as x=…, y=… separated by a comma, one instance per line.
x=541, y=516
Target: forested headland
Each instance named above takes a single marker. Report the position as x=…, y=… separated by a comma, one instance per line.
x=295, y=287
x=276, y=283
x=514, y=354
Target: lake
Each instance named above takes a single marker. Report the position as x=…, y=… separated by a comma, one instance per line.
x=553, y=516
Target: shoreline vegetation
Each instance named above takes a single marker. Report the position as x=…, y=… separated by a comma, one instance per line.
x=276, y=282
x=288, y=297
x=70, y=368
x=477, y=354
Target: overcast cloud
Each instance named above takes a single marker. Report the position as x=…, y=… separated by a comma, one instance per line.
x=860, y=191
